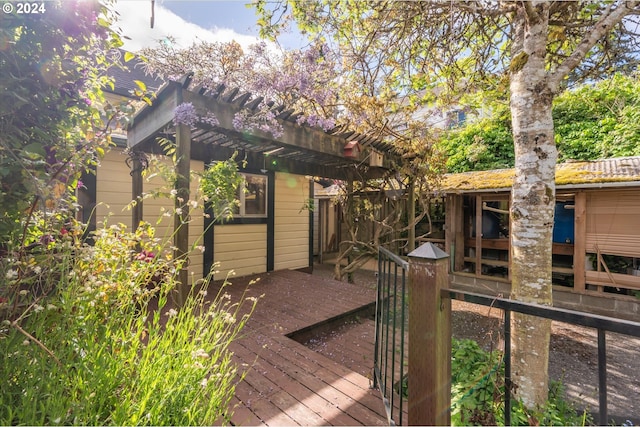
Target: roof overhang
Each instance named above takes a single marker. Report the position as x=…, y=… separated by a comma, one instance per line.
x=622, y=172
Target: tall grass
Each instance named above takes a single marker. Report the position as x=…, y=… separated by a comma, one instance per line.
x=89, y=335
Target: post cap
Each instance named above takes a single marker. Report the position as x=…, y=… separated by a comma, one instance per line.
x=428, y=251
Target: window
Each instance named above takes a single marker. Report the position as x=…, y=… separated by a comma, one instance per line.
x=456, y=118
x=253, y=197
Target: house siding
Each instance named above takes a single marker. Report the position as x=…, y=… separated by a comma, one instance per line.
x=291, y=222
x=155, y=208
x=113, y=194
x=241, y=248
x=113, y=189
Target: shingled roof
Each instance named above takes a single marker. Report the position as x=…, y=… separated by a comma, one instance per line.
x=596, y=173
x=126, y=73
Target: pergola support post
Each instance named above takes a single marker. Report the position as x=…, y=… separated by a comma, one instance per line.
x=181, y=215
x=136, y=193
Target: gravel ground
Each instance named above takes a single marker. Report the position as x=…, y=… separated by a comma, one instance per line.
x=572, y=359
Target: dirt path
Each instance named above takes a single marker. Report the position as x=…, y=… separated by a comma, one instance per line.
x=573, y=357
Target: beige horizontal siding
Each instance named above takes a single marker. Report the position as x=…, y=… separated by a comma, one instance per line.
x=113, y=189
x=113, y=195
x=196, y=224
x=240, y=247
x=291, y=222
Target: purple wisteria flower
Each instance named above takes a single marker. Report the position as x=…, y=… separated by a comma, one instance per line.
x=185, y=114
x=210, y=119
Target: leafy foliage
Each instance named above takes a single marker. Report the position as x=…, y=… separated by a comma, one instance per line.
x=481, y=145
x=592, y=121
x=219, y=184
x=477, y=393
x=51, y=125
x=599, y=120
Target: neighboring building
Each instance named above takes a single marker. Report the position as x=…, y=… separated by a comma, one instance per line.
x=596, y=237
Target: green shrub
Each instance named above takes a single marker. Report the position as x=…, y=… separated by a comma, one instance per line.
x=477, y=393
x=98, y=343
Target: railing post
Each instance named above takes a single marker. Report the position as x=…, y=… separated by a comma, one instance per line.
x=429, y=338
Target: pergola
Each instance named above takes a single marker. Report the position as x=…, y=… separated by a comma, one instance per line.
x=337, y=154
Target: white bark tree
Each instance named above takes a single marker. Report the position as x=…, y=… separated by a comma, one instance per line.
x=447, y=48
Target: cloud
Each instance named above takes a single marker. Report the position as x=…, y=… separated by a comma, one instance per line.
x=134, y=23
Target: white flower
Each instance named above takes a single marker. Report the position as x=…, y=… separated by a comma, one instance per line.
x=200, y=353
x=37, y=308
x=204, y=382
x=174, y=192
x=37, y=269
x=179, y=211
x=193, y=203
x=172, y=312
x=228, y=318
x=200, y=248
x=26, y=342
x=11, y=274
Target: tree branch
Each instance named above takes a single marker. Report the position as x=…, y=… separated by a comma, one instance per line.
x=606, y=22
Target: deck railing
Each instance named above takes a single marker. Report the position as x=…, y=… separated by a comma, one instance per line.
x=391, y=320
x=392, y=336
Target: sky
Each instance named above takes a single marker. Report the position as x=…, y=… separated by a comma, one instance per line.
x=188, y=21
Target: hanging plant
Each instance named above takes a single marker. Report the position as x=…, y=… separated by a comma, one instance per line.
x=220, y=183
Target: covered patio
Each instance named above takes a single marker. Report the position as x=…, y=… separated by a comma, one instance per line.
x=278, y=234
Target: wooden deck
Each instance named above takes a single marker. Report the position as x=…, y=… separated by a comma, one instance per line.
x=286, y=383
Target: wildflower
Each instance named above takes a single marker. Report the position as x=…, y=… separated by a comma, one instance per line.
x=204, y=382
x=228, y=318
x=26, y=342
x=11, y=274
x=37, y=269
x=172, y=312
x=193, y=203
x=23, y=292
x=179, y=211
x=200, y=248
x=174, y=192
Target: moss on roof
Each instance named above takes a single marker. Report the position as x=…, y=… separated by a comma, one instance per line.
x=625, y=169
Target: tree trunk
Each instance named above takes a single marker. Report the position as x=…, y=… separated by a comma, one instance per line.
x=533, y=201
